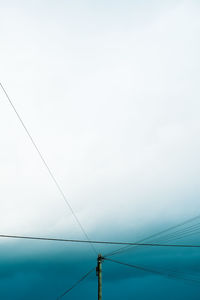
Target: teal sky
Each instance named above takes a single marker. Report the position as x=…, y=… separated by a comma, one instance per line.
x=110, y=92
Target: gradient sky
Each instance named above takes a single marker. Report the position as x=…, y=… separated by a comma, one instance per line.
x=110, y=92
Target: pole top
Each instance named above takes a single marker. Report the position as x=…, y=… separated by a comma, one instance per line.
x=99, y=258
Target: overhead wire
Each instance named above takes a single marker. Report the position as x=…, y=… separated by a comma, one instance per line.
x=157, y=234
x=193, y=274
x=157, y=272
x=168, y=238
x=76, y=283
x=97, y=242
x=46, y=166
x=188, y=229
x=182, y=233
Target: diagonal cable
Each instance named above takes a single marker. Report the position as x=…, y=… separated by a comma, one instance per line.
x=76, y=283
x=47, y=166
x=153, y=271
x=128, y=247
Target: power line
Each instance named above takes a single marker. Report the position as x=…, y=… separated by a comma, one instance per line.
x=179, y=272
x=46, y=166
x=189, y=230
x=128, y=247
x=177, y=235
x=181, y=233
x=96, y=242
x=123, y=249
x=173, y=237
x=153, y=271
x=75, y=284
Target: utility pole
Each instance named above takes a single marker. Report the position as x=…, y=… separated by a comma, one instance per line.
x=99, y=274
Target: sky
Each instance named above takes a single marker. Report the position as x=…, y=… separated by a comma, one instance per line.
x=110, y=93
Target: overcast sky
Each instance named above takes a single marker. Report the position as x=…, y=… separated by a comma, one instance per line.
x=110, y=93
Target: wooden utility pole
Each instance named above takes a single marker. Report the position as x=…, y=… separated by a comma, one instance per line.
x=99, y=274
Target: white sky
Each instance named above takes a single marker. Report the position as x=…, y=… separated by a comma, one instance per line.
x=110, y=92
